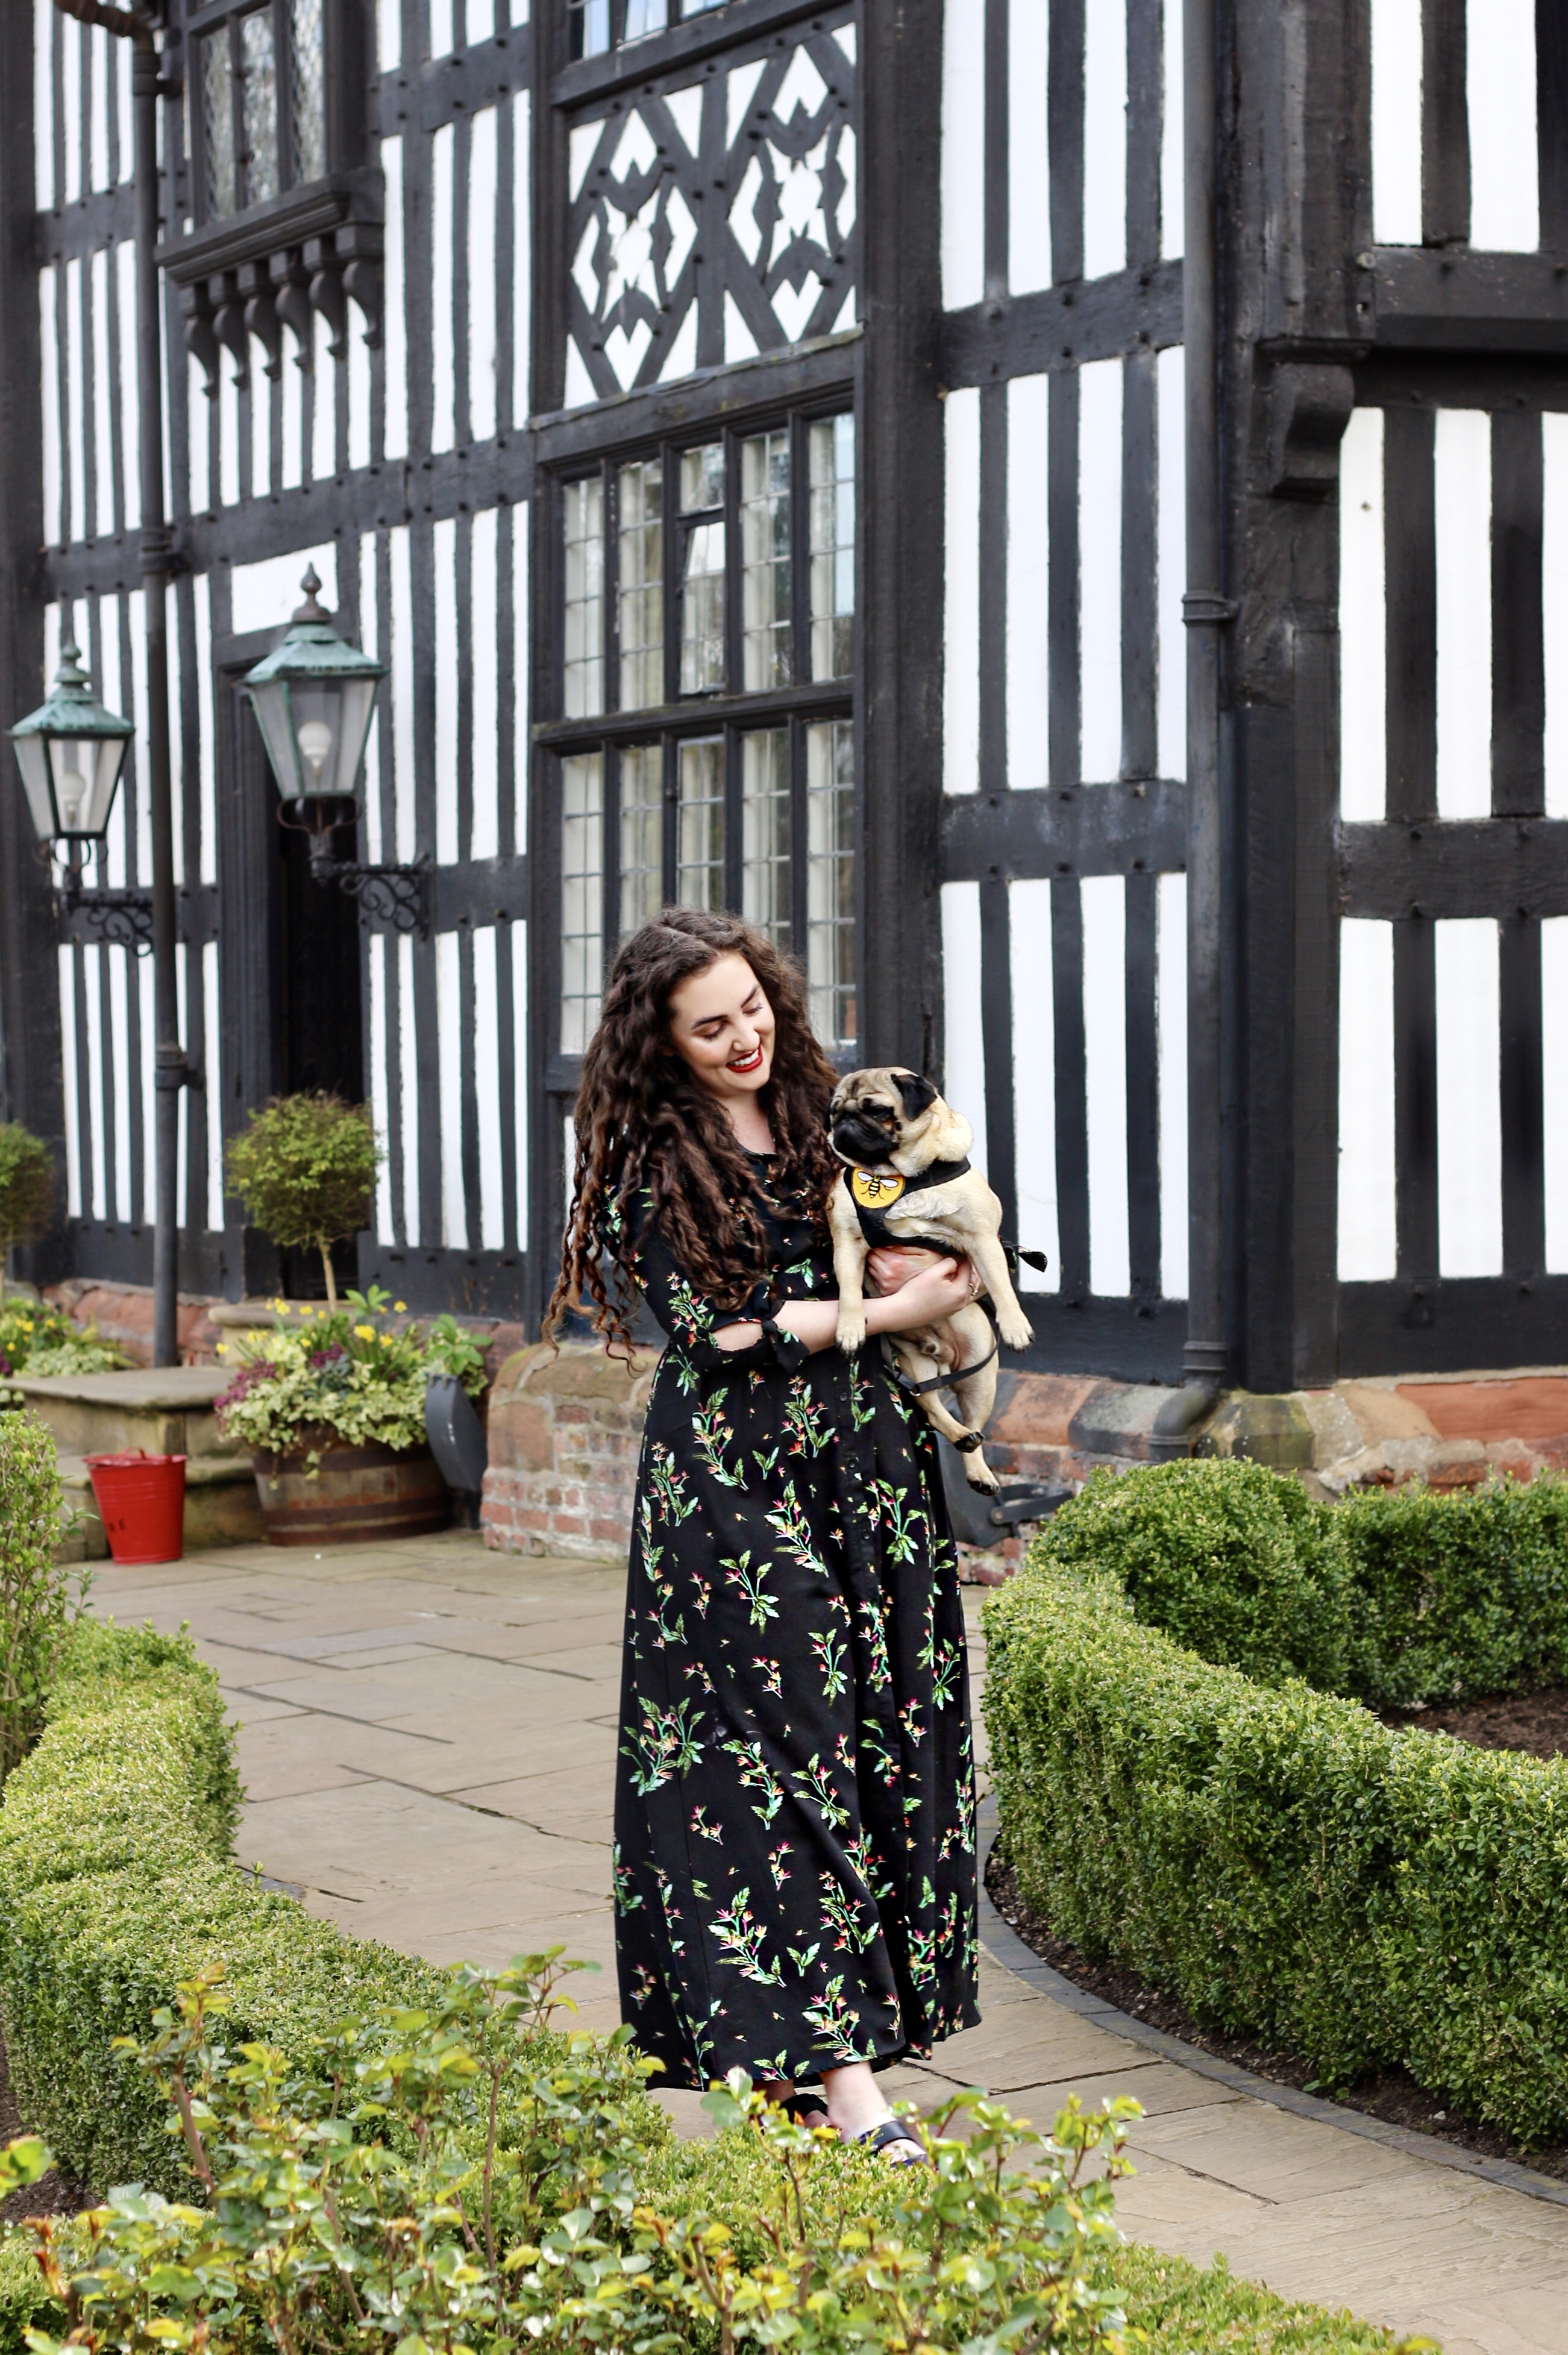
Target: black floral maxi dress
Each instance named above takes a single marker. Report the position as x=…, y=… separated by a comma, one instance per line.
x=794, y=1808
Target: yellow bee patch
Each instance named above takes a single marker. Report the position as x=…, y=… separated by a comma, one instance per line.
x=872, y=1191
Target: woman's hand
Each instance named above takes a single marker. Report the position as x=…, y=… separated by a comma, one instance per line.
x=937, y=1290
x=892, y=1267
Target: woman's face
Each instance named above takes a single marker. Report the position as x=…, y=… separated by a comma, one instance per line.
x=721, y=1025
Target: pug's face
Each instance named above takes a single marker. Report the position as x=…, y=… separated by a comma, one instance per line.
x=875, y=1114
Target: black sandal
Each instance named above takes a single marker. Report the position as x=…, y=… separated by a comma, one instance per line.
x=891, y=2131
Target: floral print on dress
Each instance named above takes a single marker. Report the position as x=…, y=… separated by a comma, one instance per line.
x=795, y=1862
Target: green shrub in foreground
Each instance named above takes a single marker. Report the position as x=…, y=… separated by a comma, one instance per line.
x=1285, y=1863
x=116, y=1894
x=34, y=1591
x=1393, y=1595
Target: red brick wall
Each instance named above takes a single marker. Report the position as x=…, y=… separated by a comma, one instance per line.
x=565, y=1433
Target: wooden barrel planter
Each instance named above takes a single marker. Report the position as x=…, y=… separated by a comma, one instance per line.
x=357, y=1494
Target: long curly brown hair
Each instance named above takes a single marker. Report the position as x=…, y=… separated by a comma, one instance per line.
x=644, y=1120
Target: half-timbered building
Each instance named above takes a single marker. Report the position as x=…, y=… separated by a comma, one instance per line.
x=1058, y=513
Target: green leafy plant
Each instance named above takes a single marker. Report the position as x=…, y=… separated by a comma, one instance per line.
x=26, y=1188
x=350, y=1374
x=305, y=1170
x=35, y=1592
x=456, y=2175
x=38, y=1339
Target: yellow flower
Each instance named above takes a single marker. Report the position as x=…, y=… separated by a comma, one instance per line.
x=385, y=1340
x=400, y=1306
x=364, y=1332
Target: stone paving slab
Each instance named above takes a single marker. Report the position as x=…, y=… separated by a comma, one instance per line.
x=427, y=1740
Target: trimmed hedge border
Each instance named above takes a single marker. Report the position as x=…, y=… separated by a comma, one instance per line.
x=1286, y=1864
x=116, y=1884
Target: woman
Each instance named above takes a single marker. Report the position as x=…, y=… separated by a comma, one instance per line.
x=795, y=1870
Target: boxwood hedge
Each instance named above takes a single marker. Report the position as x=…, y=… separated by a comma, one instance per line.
x=1398, y=1597
x=1281, y=1859
x=115, y=1874
x=116, y=1884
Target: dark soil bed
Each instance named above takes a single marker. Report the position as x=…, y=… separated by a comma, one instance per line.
x=54, y=2195
x=1392, y=2094
x=1536, y=1722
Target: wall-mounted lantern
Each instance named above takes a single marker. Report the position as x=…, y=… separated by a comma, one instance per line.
x=315, y=697
x=70, y=752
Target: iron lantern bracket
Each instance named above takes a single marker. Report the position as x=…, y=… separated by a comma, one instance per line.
x=398, y=897
x=118, y=915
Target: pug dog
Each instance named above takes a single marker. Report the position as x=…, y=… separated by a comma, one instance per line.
x=907, y=1183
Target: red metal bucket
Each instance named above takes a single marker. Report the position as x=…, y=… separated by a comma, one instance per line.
x=140, y=1502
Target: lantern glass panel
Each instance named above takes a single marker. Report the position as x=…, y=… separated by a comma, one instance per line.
x=34, y=763
x=357, y=703
x=86, y=771
x=270, y=705
x=315, y=715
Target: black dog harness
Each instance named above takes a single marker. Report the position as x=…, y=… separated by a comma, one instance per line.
x=875, y=1191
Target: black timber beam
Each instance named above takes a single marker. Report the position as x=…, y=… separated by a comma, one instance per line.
x=1458, y=300
x=1455, y=868
x=1028, y=335
x=1426, y=1329
x=1112, y=829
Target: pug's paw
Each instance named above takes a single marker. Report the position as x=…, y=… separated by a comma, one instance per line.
x=1016, y=1334
x=978, y=1473
x=850, y=1331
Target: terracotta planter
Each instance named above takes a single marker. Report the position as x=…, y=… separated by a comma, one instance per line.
x=359, y=1494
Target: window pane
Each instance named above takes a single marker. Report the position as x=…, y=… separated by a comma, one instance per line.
x=702, y=609
x=642, y=835
x=584, y=658
x=833, y=547
x=218, y=121
x=830, y=880
x=260, y=106
x=590, y=28
x=641, y=595
x=702, y=478
x=699, y=831
x=645, y=16
x=764, y=833
x=581, y=898
x=307, y=88
x=764, y=558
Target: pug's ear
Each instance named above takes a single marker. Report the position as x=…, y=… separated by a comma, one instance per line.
x=918, y=1095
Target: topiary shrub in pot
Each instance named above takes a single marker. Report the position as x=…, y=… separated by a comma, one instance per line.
x=331, y=1405
x=305, y=1170
x=26, y=1188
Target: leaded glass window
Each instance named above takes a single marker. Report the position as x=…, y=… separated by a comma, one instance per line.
x=702, y=664
x=584, y=665
x=829, y=880
x=641, y=836
x=765, y=832
x=832, y=547
x=764, y=555
x=640, y=585
x=582, y=923
x=260, y=118
x=707, y=660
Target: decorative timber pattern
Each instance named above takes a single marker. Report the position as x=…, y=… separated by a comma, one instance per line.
x=713, y=220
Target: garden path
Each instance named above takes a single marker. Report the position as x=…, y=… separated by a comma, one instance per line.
x=427, y=1736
